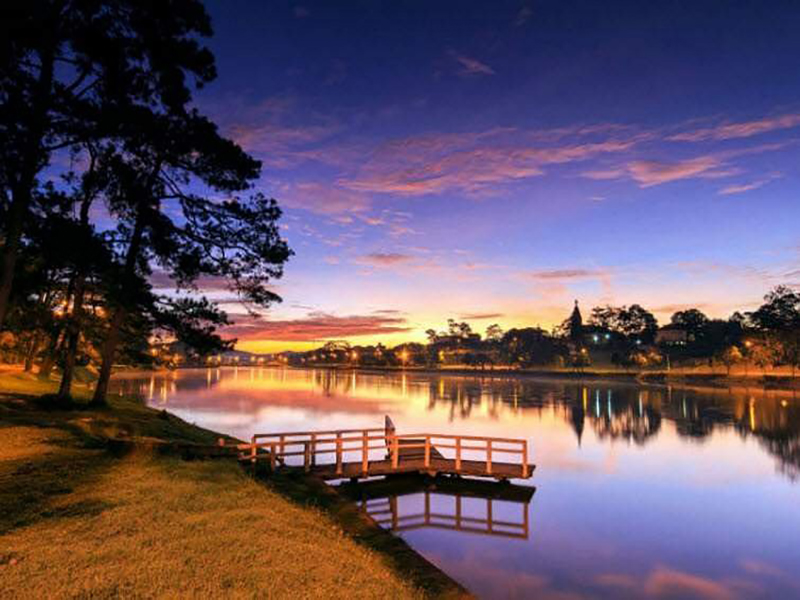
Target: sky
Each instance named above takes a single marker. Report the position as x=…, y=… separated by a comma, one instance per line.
x=495, y=161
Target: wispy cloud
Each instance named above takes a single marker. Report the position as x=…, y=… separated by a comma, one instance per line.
x=743, y=129
x=715, y=165
x=673, y=308
x=316, y=326
x=278, y=130
x=472, y=163
x=383, y=259
x=569, y=274
x=740, y=188
x=326, y=199
x=480, y=316
x=470, y=66
x=649, y=173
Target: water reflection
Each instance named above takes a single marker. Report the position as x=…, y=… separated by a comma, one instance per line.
x=447, y=503
x=642, y=491
x=612, y=411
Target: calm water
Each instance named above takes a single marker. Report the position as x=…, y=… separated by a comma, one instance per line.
x=640, y=491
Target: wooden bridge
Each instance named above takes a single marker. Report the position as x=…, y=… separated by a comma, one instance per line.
x=360, y=453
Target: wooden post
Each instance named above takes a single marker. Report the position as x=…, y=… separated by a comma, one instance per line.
x=395, y=452
x=428, y=451
x=253, y=450
x=364, y=452
x=458, y=454
x=525, y=518
x=524, y=458
x=306, y=457
x=489, y=456
x=338, y=452
x=395, y=515
x=313, y=448
x=283, y=444
x=388, y=431
x=427, y=507
x=272, y=458
x=489, y=516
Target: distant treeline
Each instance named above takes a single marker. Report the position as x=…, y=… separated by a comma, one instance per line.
x=625, y=336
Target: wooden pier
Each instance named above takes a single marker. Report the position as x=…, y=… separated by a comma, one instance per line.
x=360, y=453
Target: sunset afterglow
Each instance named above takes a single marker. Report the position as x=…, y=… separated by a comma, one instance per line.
x=492, y=166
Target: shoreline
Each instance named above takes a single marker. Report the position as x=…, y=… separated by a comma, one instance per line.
x=769, y=381
x=712, y=380
x=141, y=431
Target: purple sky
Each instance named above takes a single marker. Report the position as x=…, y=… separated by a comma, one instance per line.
x=494, y=161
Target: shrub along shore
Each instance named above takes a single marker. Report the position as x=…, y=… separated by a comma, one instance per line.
x=87, y=508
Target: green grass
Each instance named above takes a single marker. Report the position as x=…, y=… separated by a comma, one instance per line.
x=78, y=521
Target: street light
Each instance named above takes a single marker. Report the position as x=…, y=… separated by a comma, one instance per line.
x=404, y=356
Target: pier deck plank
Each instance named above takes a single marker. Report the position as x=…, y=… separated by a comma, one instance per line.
x=469, y=468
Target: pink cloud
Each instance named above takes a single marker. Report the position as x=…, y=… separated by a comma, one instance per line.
x=649, y=173
x=673, y=308
x=316, y=326
x=324, y=199
x=746, y=187
x=469, y=162
x=727, y=131
x=569, y=274
x=481, y=316
x=276, y=130
x=383, y=259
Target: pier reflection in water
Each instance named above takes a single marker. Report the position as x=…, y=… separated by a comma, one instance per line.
x=642, y=491
x=450, y=503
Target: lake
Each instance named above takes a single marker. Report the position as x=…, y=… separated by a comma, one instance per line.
x=641, y=491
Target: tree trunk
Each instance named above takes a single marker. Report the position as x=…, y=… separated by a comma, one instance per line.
x=31, y=355
x=72, y=337
x=109, y=350
x=74, y=326
x=108, y=354
x=51, y=355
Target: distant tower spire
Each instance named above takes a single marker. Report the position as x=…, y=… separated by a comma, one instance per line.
x=575, y=323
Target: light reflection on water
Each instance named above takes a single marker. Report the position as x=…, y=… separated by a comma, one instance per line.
x=642, y=491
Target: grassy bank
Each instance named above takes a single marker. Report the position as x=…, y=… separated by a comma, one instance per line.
x=77, y=520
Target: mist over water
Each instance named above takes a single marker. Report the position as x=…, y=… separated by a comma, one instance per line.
x=641, y=491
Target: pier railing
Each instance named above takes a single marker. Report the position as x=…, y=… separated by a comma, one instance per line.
x=424, y=449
